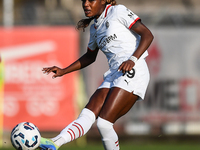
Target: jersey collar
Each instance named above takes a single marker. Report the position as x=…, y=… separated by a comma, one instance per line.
x=101, y=17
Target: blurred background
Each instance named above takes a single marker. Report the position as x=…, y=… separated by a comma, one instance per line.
x=41, y=33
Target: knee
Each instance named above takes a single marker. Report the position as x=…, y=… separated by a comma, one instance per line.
x=87, y=114
x=103, y=124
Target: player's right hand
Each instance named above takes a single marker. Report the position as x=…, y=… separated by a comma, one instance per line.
x=58, y=72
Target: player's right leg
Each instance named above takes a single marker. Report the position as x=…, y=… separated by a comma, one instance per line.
x=47, y=144
x=80, y=126
x=73, y=131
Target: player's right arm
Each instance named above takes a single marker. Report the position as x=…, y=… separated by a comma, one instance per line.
x=88, y=58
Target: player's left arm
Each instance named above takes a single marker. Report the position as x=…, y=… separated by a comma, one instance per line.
x=146, y=39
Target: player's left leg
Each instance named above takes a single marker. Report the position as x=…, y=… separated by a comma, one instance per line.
x=117, y=104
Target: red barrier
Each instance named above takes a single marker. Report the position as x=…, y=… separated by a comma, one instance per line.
x=29, y=94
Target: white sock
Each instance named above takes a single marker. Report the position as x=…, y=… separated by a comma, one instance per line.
x=77, y=128
x=108, y=134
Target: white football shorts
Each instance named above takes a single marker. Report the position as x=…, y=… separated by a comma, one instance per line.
x=134, y=81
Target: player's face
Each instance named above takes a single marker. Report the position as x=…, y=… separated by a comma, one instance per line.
x=93, y=8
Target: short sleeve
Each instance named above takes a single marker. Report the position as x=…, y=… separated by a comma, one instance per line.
x=126, y=16
x=92, y=43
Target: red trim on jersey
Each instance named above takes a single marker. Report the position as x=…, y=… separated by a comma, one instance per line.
x=90, y=49
x=105, y=13
x=107, y=10
x=134, y=22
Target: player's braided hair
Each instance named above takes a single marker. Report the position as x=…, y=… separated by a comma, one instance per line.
x=83, y=23
x=112, y=2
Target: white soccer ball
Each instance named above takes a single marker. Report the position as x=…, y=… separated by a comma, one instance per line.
x=25, y=136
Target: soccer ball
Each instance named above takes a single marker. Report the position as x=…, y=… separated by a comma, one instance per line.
x=25, y=136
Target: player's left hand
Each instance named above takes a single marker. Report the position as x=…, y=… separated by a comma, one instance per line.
x=126, y=66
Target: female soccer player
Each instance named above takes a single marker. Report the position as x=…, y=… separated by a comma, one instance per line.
x=124, y=39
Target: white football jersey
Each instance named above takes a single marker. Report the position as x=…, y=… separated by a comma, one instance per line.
x=112, y=35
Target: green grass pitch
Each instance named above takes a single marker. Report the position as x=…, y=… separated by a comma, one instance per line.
x=132, y=146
